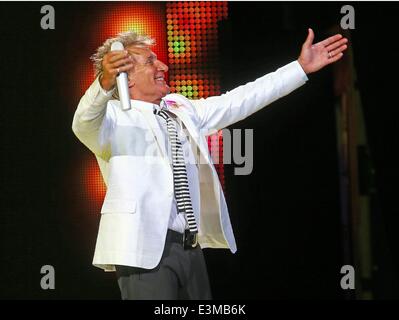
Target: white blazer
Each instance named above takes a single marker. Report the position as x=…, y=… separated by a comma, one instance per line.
x=138, y=174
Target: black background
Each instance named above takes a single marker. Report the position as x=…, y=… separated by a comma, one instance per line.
x=285, y=214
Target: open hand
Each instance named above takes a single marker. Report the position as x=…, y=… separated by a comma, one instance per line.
x=314, y=57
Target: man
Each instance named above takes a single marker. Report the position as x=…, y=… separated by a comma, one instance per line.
x=163, y=205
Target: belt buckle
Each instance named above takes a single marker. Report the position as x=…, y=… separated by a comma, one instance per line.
x=190, y=240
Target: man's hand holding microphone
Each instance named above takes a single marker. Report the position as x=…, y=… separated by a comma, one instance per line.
x=115, y=65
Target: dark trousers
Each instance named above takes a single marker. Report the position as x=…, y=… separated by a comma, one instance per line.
x=181, y=274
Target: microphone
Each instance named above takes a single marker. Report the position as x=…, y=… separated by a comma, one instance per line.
x=121, y=79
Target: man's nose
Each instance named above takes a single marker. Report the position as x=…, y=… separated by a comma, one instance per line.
x=162, y=67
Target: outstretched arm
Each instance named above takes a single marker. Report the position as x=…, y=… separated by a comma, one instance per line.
x=314, y=57
x=221, y=111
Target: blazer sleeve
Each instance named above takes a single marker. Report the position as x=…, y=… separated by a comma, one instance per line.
x=93, y=121
x=218, y=112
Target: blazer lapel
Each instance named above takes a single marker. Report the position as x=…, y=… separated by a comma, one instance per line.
x=192, y=129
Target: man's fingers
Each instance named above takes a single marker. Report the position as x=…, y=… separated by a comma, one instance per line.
x=116, y=55
x=309, y=40
x=335, y=58
x=123, y=68
x=338, y=50
x=121, y=62
x=330, y=40
x=336, y=44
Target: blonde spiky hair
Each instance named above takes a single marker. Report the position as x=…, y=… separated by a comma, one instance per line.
x=128, y=38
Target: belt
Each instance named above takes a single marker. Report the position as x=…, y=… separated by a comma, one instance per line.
x=187, y=239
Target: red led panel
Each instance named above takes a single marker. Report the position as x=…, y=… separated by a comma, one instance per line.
x=193, y=55
x=186, y=39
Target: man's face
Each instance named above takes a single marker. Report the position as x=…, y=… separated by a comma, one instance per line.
x=147, y=78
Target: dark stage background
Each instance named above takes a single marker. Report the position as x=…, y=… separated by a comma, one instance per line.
x=286, y=214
